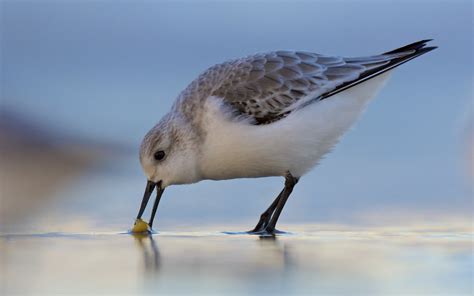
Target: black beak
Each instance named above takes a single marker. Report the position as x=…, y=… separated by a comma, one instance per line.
x=159, y=193
x=150, y=186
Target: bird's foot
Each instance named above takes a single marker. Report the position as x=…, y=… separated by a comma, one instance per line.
x=256, y=230
x=262, y=232
x=260, y=227
x=266, y=231
x=262, y=223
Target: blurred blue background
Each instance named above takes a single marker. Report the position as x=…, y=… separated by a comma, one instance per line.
x=96, y=75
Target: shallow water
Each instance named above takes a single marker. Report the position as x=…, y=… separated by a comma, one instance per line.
x=310, y=260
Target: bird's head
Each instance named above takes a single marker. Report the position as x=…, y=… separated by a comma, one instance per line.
x=168, y=155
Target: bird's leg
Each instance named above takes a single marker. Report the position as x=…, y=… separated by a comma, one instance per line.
x=290, y=183
x=265, y=217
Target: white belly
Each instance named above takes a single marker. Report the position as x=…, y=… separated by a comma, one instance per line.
x=295, y=143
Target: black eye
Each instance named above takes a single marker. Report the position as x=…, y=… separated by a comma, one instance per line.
x=159, y=155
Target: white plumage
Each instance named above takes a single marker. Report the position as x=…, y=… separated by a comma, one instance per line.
x=238, y=149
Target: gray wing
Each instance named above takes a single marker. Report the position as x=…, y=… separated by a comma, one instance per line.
x=267, y=87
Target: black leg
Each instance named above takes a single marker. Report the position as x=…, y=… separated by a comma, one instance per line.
x=290, y=183
x=265, y=217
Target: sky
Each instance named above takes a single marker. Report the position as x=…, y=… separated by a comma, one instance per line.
x=107, y=71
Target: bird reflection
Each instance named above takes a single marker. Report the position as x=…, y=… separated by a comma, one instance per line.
x=269, y=256
x=151, y=254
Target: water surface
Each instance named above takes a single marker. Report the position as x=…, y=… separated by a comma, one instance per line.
x=313, y=259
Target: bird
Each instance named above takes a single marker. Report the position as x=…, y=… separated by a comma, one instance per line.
x=264, y=115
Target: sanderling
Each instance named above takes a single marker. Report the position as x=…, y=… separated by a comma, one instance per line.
x=268, y=114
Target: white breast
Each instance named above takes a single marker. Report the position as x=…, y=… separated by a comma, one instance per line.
x=236, y=149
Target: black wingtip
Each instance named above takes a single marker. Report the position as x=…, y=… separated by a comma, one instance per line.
x=420, y=52
x=426, y=49
x=410, y=51
x=416, y=46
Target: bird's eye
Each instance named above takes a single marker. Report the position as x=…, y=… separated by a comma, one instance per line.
x=159, y=155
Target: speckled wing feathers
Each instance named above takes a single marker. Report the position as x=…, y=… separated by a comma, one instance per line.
x=269, y=86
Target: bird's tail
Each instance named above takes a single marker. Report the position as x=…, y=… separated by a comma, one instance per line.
x=382, y=63
x=417, y=48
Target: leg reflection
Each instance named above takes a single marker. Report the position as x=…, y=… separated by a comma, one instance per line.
x=276, y=252
x=151, y=254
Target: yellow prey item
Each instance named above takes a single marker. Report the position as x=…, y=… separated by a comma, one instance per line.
x=140, y=226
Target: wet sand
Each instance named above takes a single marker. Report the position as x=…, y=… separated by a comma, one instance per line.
x=311, y=260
